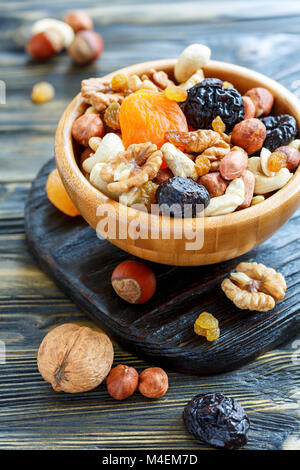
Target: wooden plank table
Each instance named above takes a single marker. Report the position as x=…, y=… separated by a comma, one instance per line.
x=261, y=35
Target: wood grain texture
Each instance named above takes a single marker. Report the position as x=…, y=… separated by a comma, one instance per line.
x=161, y=330
x=32, y=416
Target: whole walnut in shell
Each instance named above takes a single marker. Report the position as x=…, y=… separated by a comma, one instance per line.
x=75, y=359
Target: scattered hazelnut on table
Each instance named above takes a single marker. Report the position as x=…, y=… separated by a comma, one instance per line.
x=75, y=359
x=79, y=21
x=87, y=126
x=153, y=382
x=122, y=382
x=43, y=45
x=134, y=282
x=86, y=47
x=249, y=134
x=262, y=99
x=53, y=24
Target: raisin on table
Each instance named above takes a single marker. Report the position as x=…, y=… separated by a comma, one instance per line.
x=182, y=197
x=281, y=130
x=217, y=420
x=208, y=99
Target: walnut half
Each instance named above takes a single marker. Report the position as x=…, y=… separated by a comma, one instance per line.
x=254, y=286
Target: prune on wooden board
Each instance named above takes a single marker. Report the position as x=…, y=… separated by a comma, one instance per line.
x=281, y=130
x=182, y=196
x=208, y=99
x=217, y=420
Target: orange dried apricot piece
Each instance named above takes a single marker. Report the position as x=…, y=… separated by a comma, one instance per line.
x=58, y=196
x=146, y=115
x=276, y=161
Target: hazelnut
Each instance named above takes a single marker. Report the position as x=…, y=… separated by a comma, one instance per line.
x=249, y=134
x=249, y=107
x=292, y=155
x=75, y=359
x=79, y=21
x=262, y=99
x=122, y=382
x=42, y=46
x=233, y=164
x=87, y=126
x=134, y=282
x=86, y=47
x=214, y=183
x=163, y=175
x=153, y=382
x=46, y=24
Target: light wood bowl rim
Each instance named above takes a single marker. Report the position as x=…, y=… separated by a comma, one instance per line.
x=66, y=161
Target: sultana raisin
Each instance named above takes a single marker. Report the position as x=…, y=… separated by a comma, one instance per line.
x=213, y=334
x=119, y=82
x=217, y=420
x=175, y=93
x=111, y=116
x=148, y=194
x=208, y=99
x=207, y=325
x=218, y=125
x=276, y=161
x=202, y=165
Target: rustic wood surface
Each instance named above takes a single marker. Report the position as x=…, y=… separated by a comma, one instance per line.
x=254, y=34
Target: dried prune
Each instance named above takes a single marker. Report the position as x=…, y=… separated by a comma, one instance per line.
x=217, y=420
x=182, y=197
x=208, y=99
x=281, y=130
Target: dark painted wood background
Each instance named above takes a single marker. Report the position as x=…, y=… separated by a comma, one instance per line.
x=264, y=35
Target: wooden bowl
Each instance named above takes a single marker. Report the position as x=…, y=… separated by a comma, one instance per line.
x=225, y=237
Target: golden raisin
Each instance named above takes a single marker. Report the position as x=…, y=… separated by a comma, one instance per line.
x=119, y=82
x=175, y=93
x=276, y=161
x=111, y=116
x=207, y=321
x=42, y=92
x=218, y=125
x=148, y=194
x=202, y=165
x=208, y=326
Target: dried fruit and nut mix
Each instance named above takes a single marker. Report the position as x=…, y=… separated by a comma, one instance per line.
x=223, y=151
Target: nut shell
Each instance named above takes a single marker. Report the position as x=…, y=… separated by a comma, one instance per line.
x=75, y=359
x=122, y=382
x=153, y=383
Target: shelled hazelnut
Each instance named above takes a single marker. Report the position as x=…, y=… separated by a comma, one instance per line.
x=87, y=126
x=86, y=47
x=79, y=21
x=122, y=382
x=153, y=382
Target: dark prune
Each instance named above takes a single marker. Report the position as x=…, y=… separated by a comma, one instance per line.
x=182, y=196
x=208, y=99
x=217, y=420
x=280, y=130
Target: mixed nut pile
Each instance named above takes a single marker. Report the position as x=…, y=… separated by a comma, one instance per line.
x=187, y=140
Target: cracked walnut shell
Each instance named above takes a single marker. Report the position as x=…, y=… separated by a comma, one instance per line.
x=133, y=167
x=75, y=359
x=254, y=286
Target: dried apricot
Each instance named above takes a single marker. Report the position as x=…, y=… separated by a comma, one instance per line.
x=277, y=160
x=146, y=115
x=58, y=196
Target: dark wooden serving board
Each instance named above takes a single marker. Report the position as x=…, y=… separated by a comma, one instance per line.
x=161, y=330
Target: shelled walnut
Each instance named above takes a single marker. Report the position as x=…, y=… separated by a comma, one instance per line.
x=254, y=286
